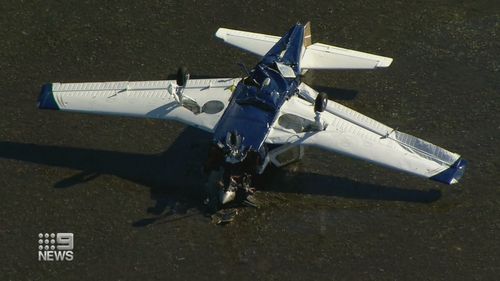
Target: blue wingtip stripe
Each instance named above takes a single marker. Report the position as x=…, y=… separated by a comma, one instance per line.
x=46, y=98
x=453, y=173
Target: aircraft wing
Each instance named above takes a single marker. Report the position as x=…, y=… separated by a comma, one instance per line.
x=203, y=100
x=353, y=134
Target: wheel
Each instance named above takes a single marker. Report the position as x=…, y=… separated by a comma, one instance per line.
x=182, y=76
x=321, y=102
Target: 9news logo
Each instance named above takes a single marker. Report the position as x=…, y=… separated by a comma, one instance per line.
x=55, y=247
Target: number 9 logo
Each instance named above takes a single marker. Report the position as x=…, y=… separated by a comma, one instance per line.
x=64, y=241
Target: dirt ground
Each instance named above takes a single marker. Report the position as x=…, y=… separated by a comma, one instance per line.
x=129, y=189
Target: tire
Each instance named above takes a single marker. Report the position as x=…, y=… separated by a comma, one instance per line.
x=182, y=76
x=320, y=102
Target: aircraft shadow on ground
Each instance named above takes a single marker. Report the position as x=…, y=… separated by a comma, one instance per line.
x=175, y=177
x=316, y=184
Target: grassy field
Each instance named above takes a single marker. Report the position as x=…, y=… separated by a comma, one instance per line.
x=129, y=189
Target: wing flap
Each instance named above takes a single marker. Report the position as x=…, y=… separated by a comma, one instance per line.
x=205, y=99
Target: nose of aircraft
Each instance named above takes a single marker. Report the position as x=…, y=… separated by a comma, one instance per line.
x=226, y=196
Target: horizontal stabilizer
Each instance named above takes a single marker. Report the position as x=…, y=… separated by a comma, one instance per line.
x=255, y=43
x=316, y=56
x=321, y=56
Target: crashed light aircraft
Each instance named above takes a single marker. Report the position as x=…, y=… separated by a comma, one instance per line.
x=257, y=119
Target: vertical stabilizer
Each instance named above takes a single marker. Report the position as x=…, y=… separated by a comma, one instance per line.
x=307, y=34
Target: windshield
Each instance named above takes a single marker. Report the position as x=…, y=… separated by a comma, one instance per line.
x=260, y=99
x=264, y=86
x=285, y=70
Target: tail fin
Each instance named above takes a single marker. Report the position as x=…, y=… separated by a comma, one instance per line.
x=307, y=34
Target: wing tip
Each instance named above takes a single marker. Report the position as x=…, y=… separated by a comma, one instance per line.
x=46, y=98
x=453, y=174
x=385, y=62
x=221, y=33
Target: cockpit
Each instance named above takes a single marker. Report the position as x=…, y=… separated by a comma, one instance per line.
x=264, y=85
